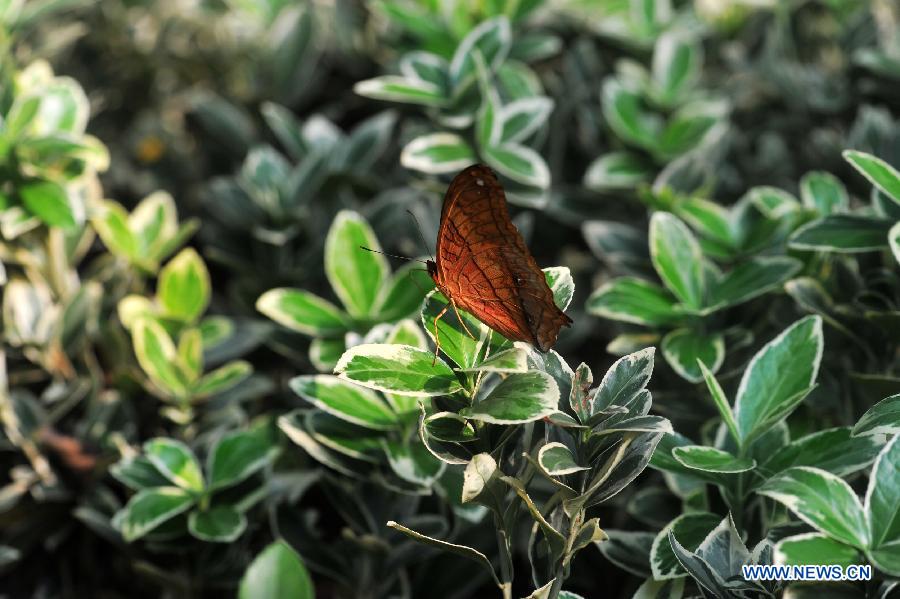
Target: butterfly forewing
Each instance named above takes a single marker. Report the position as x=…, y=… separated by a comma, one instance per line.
x=484, y=266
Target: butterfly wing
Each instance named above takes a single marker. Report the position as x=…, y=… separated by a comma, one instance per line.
x=484, y=266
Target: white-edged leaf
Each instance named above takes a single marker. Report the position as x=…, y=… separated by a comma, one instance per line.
x=303, y=311
x=437, y=154
x=399, y=369
x=520, y=397
x=402, y=89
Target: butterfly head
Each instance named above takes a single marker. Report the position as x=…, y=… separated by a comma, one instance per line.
x=431, y=265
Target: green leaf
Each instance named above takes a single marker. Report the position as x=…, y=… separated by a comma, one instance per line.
x=509, y=360
x=688, y=128
x=237, y=455
x=450, y=427
x=220, y=524
x=580, y=392
x=399, y=369
x=366, y=143
x=532, y=47
x=325, y=353
x=275, y=573
x=719, y=557
x=684, y=349
x=710, y=459
x=480, y=482
x=751, y=279
x=824, y=193
x=881, y=174
x=718, y=395
x=154, y=221
x=293, y=425
x=111, y=224
x=881, y=419
x=345, y=400
x=303, y=311
x=894, y=241
x=628, y=299
x=190, y=353
x=49, y=202
x=822, y=500
x=403, y=294
x=557, y=460
x=690, y=530
x=64, y=108
x=521, y=118
x=176, y=462
x=184, y=287
x=710, y=220
x=156, y=354
x=413, y=462
x=492, y=39
x=21, y=114
x=617, y=170
x=886, y=558
x=437, y=154
x=677, y=258
x=286, y=128
x=395, y=88
x=152, y=507
x=778, y=377
x=519, y=163
x=425, y=66
x=883, y=501
x=629, y=550
x=624, y=381
x=844, y=233
x=343, y=437
x=643, y=424
x=221, y=379
x=815, y=548
x=406, y=332
x=559, y=280
x=623, y=112
x=487, y=123
x=454, y=337
x=137, y=473
x=677, y=61
x=356, y=275
x=519, y=398
x=832, y=450
x=663, y=459
x=774, y=203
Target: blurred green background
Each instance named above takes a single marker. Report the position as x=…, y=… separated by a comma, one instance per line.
x=181, y=182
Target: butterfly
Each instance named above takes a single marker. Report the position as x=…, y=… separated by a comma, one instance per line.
x=483, y=266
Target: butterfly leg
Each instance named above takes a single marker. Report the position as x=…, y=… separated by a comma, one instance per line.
x=461, y=321
x=437, y=337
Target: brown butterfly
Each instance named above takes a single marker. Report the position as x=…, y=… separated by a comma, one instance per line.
x=484, y=267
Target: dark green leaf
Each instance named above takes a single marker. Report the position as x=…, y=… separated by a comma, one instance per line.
x=842, y=233
x=49, y=202
x=221, y=524
x=276, y=573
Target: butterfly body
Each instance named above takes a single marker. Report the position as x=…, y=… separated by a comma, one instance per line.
x=484, y=267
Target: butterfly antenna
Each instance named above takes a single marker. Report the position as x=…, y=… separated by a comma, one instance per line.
x=419, y=229
x=407, y=258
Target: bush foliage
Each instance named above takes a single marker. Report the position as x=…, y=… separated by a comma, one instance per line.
x=207, y=387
